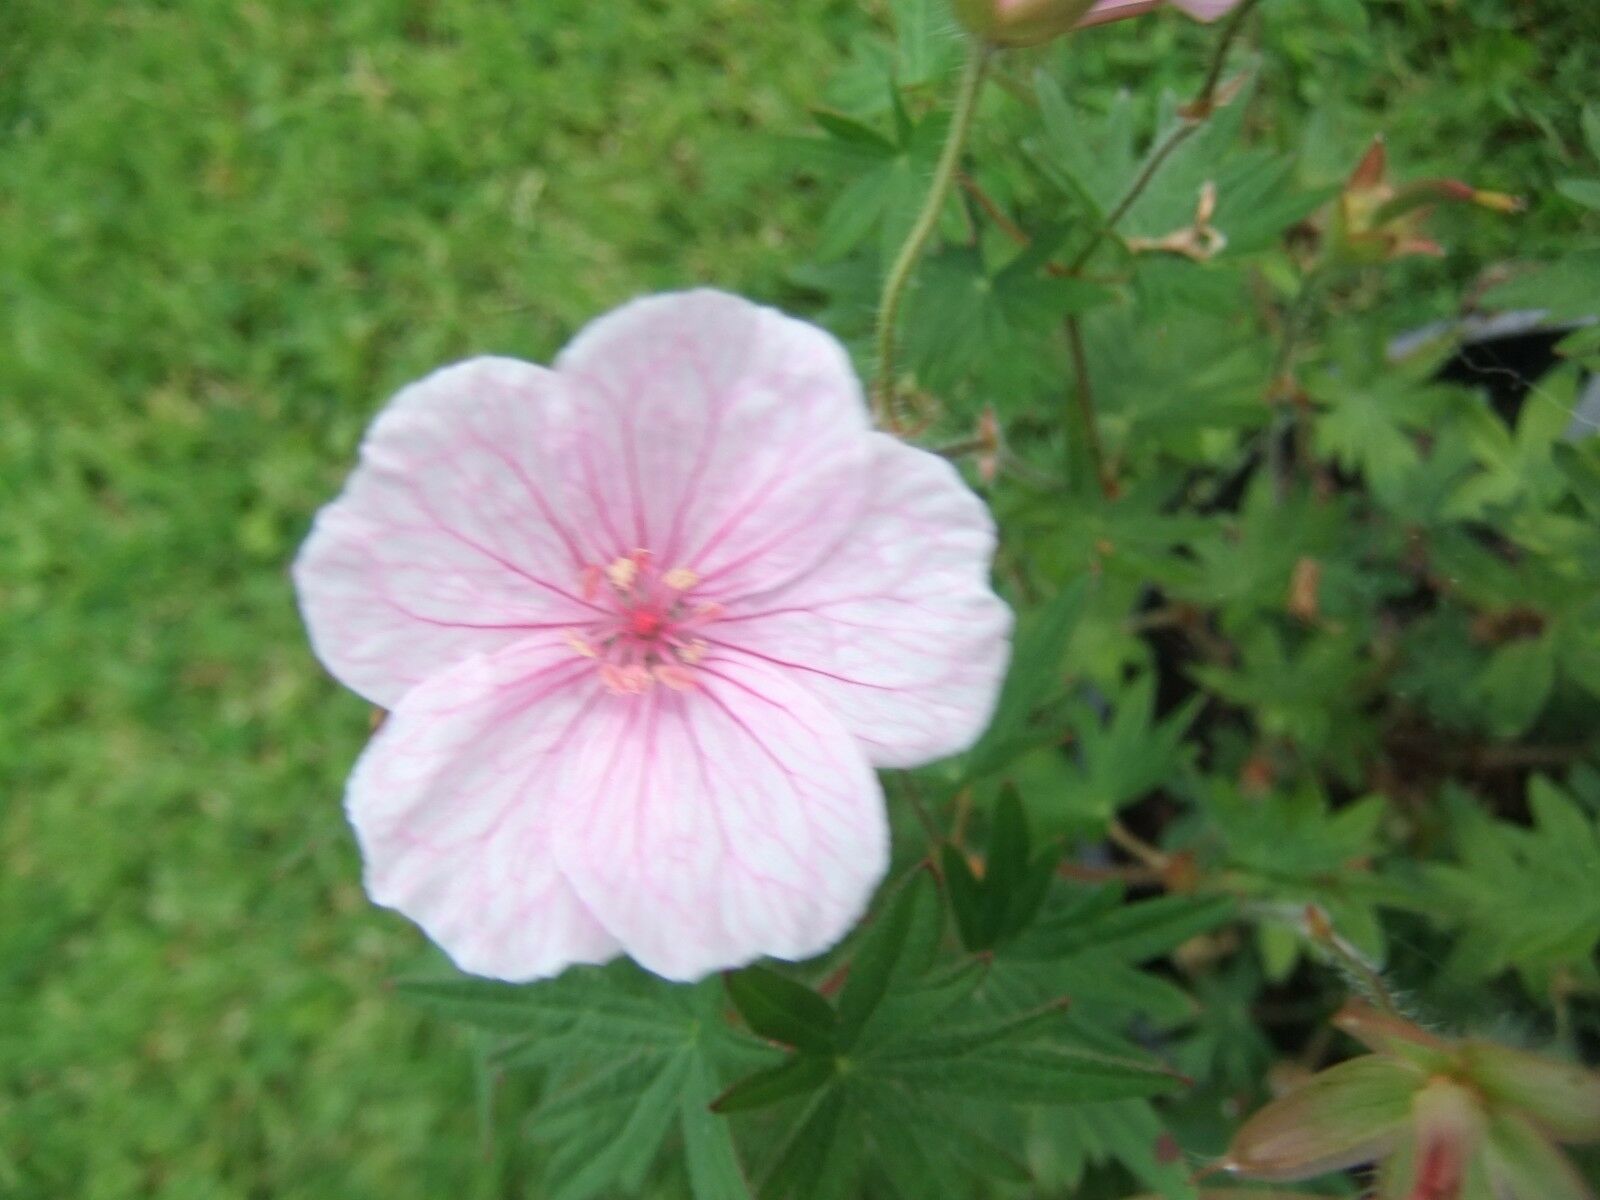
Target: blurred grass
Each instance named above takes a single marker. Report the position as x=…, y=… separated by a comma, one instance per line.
x=227, y=232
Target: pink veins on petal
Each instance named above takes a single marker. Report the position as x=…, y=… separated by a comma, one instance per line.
x=646, y=621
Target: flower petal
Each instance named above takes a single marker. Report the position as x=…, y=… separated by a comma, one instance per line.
x=714, y=826
x=898, y=631
x=722, y=436
x=453, y=806
x=1106, y=11
x=1522, y=1164
x=1206, y=10
x=446, y=541
x=1562, y=1097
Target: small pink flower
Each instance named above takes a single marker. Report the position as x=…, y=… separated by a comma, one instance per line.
x=1116, y=10
x=646, y=623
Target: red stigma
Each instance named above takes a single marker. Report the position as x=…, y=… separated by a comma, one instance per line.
x=644, y=622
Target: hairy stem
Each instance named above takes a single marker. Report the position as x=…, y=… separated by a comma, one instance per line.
x=1197, y=111
x=1195, y=115
x=905, y=263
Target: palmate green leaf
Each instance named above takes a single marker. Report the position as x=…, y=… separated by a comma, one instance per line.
x=1034, y=674
x=1585, y=192
x=983, y=334
x=629, y=1060
x=1249, y=571
x=926, y=45
x=822, y=1155
x=580, y=998
x=1369, y=425
x=715, y=1172
x=1522, y=898
x=1088, y=156
x=898, y=947
x=1035, y=1075
x=947, y=1081
x=924, y=1035
x=796, y=1076
x=1515, y=684
x=1098, y=921
x=1088, y=944
x=1516, y=465
x=1567, y=289
x=1165, y=376
x=888, y=180
x=1129, y=754
x=1580, y=463
x=1312, y=694
x=1291, y=849
x=781, y=1009
x=1015, y=882
x=1124, y=1131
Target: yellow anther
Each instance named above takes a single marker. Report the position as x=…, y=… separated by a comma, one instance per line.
x=622, y=573
x=680, y=579
x=693, y=652
x=626, y=681
x=674, y=677
x=578, y=644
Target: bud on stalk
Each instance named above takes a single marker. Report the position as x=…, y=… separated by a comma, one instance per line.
x=1021, y=22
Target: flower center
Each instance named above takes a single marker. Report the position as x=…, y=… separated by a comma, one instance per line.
x=644, y=631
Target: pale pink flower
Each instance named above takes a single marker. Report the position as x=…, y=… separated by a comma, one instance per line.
x=646, y=623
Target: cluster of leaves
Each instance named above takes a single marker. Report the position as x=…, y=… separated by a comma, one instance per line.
x=938, y=1049
x=1306, y=696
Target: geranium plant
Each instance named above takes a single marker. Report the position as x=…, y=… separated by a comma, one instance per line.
x=787, y=867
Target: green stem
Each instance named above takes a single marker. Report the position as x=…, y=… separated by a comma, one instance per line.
x=894, y=285
x=1195, y=114
x=1083, y=395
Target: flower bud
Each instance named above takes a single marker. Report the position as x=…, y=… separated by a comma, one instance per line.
x=1521, y=1162
x=1394, y=1036
x=1106, y=11
x=1020, y=22
x=1353, y=1113
x=1562, y=1099
x=1449, y=1124
x=1377, y=221
x=1030, y=22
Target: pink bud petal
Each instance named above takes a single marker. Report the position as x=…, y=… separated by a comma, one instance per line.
x=1206, y=10
x=1106, y=11
x=1449, y=1123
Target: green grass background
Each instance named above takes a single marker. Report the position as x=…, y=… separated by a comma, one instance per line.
x=227, y=232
